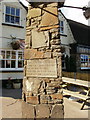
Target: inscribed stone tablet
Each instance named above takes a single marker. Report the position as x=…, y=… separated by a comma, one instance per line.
x=41, y=68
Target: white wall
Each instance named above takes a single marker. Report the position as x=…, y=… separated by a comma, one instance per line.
x=67, y=31
x=19, y=33
x=89, y=18
x=0, y=22
x=12, y=75
x=67, y=37
x=6, y=31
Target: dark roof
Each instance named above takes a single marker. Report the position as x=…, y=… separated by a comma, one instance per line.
x=80, y=32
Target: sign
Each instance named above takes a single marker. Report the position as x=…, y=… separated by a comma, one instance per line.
x=41, y=68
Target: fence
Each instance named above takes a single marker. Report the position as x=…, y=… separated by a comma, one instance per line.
x=78, y=94
x=77, y=75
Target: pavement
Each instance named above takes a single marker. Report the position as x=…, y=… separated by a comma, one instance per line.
x=11, y=106
x=72, y=109
x=11, y=103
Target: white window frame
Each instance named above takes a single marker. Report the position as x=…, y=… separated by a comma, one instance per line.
x=10, y=15
x=16, y=68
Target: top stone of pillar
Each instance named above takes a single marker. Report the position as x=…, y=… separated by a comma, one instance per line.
x=39, y=2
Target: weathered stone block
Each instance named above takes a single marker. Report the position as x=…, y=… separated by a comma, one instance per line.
x=47, y=55
x=55, y=42
x=44, y=99
x=42, y=111
x=35, y=12
x=50, y=17
x=55, y=47
x=32, y=100
x=33, y=85
x=50, y=88
x=52, y=5
x=48, y=27
x=53, y=85
x=56, y=54
x=27, y=39
x=56, y=101
x=25, y=62
x=49, y=92
x=57, y=50
x=57, y=96
x=39, y=39
x=32, y=54
x=27, y=110
x=47, y=80
x=57, y=111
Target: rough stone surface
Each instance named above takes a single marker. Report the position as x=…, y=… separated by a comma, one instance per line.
x=33, y=85
x=32, y=54
x=34, y=12
x=27, y=110
x=42, y=66
x=53, y=85
x=42, y=111
x=57, y=111
x=48, y=27
x=47, y=80
x=27, y=41
x=32, y=100
x=44, y=99
x=50, y=17
x=52, y=5
x=47, y=55
x=57, y=96
x=39, y=39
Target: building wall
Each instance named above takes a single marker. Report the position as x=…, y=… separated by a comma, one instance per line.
x=8, y=31
x=0, y=23
x=17, y=32
x=89, y=18
x=66, y=37
x=12, y=75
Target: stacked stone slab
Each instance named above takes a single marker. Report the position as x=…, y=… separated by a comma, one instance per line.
x=42, y=91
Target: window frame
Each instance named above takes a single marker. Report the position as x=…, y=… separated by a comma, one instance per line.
x=63, y=62
x=85, y=60
x=12, y=15
x=61, y=27
x=16, y=68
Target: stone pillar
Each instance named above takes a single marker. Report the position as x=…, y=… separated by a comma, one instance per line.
x=42, y=91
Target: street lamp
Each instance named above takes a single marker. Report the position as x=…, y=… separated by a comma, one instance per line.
x=87, y=13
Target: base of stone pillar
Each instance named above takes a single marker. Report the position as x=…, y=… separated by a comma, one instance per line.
x=42, y=111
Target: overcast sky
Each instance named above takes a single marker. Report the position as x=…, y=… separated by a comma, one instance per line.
x=75, y=14
x=71, y=13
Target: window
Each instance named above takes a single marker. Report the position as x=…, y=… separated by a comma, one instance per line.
x=61, y=27
x=12, y=15
x=83, y=50
x=11, y=60
x=63, y=62
x=85, y=61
